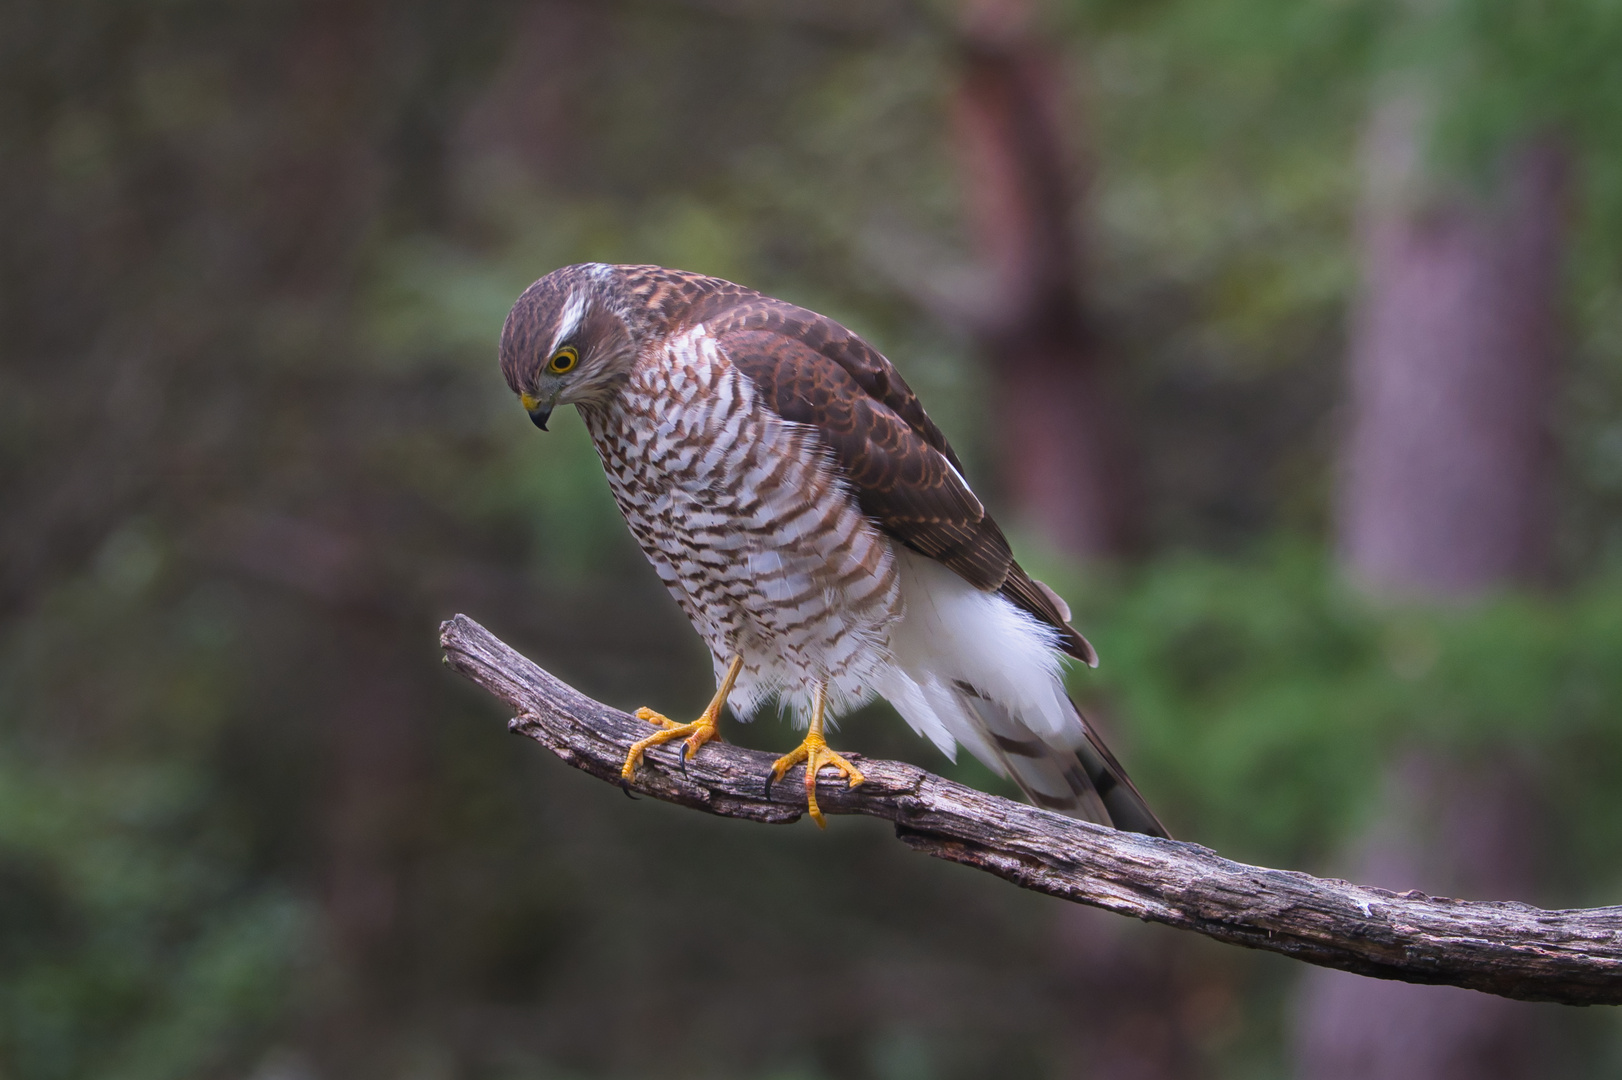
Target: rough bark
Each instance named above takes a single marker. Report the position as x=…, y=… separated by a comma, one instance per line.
x=1067, y=464
x=1511, y=949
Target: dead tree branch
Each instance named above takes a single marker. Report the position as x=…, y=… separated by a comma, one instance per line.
x=1518, y=951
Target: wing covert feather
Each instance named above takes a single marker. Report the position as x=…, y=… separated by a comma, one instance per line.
x=810, y=370
x=902, y=482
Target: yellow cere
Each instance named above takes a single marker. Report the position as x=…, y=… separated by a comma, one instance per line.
x=530, y=403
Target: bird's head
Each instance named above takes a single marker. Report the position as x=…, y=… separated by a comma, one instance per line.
x=569, y=340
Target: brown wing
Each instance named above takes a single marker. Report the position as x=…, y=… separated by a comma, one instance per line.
x=813, y=371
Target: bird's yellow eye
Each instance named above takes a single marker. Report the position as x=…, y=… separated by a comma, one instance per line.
x=564, y=360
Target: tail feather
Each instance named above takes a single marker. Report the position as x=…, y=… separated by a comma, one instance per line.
x=1127, y=808
x=1084, y=781
x=971, y=668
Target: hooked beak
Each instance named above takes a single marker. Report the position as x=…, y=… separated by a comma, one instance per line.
x=539, y=411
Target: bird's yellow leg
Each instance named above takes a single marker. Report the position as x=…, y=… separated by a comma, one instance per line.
x=816, y=755
x=705, y=729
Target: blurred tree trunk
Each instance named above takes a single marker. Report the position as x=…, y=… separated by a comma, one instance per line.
x=1445, y=496
x=1128, y=992
x=328, y=170
x=376, y=775
x=1470, y=831
x=1447, y=482
x=1066, y=461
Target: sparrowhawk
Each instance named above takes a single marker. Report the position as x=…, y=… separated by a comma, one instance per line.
x=814, y=525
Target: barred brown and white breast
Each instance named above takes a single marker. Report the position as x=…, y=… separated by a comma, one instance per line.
x=814, y=525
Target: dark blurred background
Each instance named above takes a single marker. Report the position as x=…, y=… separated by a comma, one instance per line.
x=1286, y=336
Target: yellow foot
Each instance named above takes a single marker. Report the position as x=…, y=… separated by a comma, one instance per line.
x=816, y=755
x=699, y=732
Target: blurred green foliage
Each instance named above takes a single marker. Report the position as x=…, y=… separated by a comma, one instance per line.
x=1264, y=697
x=138, y=933
x=253, y=443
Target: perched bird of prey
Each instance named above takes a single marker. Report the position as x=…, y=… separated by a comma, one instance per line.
x=815, y=526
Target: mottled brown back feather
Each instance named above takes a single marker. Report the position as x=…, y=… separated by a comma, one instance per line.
x=813, y=371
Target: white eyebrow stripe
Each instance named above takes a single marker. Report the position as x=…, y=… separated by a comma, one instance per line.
x=573, y=312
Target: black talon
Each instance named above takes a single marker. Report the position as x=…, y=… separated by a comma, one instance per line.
x=625, y=786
